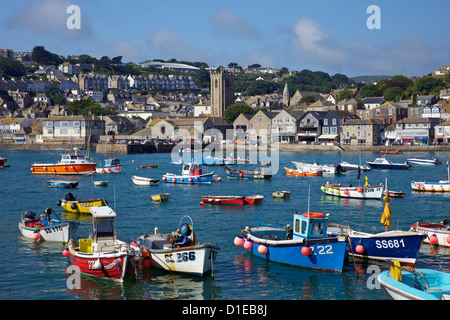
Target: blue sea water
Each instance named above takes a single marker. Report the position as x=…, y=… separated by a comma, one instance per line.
x=37, y=271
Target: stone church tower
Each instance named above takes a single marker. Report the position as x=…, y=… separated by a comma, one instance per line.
x=222, y=91
x=286, y=97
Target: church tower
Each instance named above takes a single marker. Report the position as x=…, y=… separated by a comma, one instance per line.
x=222, y=91
x=286, y=98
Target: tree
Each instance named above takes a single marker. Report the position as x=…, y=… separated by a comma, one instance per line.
x=11, y=68
x=344, y=94
x=86, y=107
x=42, y=56
x=393, y=94
x=427, y=86
x=233, y=111
x=202, y=78
x=307, y=99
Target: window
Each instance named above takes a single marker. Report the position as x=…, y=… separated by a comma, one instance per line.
x=325, y=122
x=63, y=131
x=333, y=121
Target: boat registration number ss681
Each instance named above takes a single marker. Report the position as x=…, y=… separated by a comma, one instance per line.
x=389, y=244
x=180, y=257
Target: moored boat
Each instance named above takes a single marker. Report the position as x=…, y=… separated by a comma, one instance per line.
x=391, y=152
x=350, y=166
x=104, y=255
x=415, y=284
x=430, y=186
x=46, y=228
x=3, y=162
x=231, y=200
x=70, y=164
x=62, y=183
x=260, y=173
x=100, y=183
x=191, y=173
x=112, y=165
x=281, y=194
x=420, y=161
x=302, y=172
x=314, y=167
x=349, y=191
x=394, y=194
x=143, y=181
x=383, y=163
x=304, y=245
x=435, y=233
x=257, y=199
x=178, y=251
x=71, y=204
x=160, y=197
x=149, y=166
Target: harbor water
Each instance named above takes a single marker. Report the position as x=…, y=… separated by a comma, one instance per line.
x=38, y=270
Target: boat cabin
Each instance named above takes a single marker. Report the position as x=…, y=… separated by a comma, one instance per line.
x=104, y=234
x=310, y=225
x=191, y=169
x=112, y=162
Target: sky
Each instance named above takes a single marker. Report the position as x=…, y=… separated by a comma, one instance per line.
x=412, y=37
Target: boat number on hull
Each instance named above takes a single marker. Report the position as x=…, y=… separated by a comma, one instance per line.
x=325, y=249
x=180, y=257
x=384, y=244
x=53, y=229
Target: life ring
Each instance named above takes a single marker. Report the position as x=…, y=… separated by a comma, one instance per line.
x=396, y=272
x=314, y=215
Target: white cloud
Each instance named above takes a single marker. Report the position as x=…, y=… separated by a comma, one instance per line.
x=310, y=41
x=49, y=17
x=227, y=22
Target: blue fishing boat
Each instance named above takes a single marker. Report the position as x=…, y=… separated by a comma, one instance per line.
x=248, y=174
x=383, y=163
x=400, y=245
x=418, y=284
x=304, y=245
x=191, y=173
x=62, y=184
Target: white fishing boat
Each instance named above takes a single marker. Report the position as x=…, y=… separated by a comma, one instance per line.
x=351, y=166
x=143, y=181
x=46, y=228
x=178, y=251
x=420, y=161
x=430, y=186
x=350, y=191
x=314, y=167
x=436, y=233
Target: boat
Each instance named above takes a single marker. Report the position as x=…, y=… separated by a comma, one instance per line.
x=70, y=164
x=436, y=233
x=391, y=152
x=160, y=197
x=420, y=161
x=281, y=194
x=439, y=186
x=46, y=228
x=401, y=245
x=191, y=173
x=100, y=183
x=112, y=165
x=233, y=200
x=314, y=167
x=383, y=163
x=349, y=166
x=415, y=284
x=349, y=191
x=304, y=245
x=143, y=181
x=178, y=251
x=103, y=255
x=149, y=166
x=394, y=194
x=62, y=183
x=248, y=174
x=71, y=204
x=2, y=162
x=257, y=199
x=302, y=173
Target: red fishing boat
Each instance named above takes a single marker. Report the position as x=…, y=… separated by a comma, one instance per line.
x=254, y=199
x=70, y=164
x=104, y=255
x=392, y=152
x=2, y=162
x=149, y=166
x=234, y=200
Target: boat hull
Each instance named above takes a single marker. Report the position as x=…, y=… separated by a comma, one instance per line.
x=314, y=167
x=185, y=179
x=62, y=184
x=367, y=192
x=196, y=260
x=82, y=206
x=254, y=199
x=391, y=166
x=162, y=197
x=424, y=162
x=112, y=169
x=224, y=200
x=142, y=181
x=281, y=194
x=430, y=186
x=438, y=230
x=326, y=254
x=115, y=266
x=300, y=173
x=403, y=248
x=63, y=169
x=58, y=232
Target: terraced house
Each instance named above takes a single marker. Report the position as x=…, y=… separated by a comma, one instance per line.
x=77, y=129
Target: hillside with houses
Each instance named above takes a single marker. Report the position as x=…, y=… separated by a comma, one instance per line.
x=82, y=100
